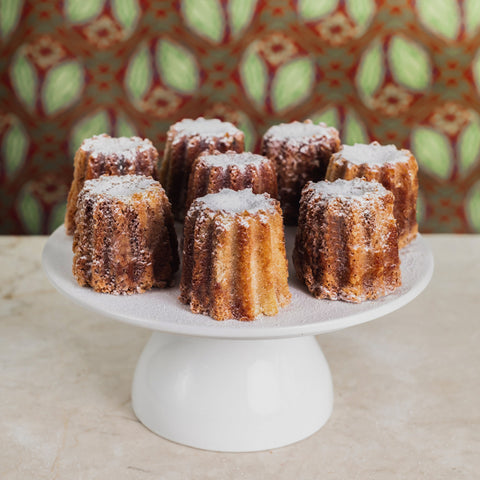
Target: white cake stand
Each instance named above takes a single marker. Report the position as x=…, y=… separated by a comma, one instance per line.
x=234, y=386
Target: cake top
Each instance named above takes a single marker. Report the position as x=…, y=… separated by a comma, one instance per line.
x=233, y=201
x=301, y=130
x=373, y=153
x=106, y=145
x=205, y=127
x=121, y=187
x=355, y=189
x=241, y=160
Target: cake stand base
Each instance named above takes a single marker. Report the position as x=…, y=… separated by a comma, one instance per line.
x=232, y=395
x=234, y=386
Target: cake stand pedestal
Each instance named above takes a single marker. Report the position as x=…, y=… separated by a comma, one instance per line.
x=232, y=395
x=234, y=386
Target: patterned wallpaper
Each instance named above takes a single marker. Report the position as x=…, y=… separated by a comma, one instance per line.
x=401, y=71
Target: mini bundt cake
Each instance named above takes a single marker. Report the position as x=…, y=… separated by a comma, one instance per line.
x=346, y=247
x=395, y=169
x=185, y=141
x=212, y=172
x=300, y=151
x=106, y=155
x=234, y=262
x=125, y=241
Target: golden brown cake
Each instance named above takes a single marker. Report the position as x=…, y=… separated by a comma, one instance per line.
x=212, y=172
x=125, y=240
x=234, y=263
x=346, y=247
x=186, y=140
x=106, y=155
x=300, y=151
x=395, y=169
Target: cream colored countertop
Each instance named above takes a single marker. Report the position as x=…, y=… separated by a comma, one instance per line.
x=407, y=388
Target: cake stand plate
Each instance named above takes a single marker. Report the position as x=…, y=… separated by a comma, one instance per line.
x=234, y=386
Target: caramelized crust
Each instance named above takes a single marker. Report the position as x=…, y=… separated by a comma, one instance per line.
x=300, y=152
x=234, y=262
x=186, y=140
x=398, y=174
x=346, y=246
x=125, y=240
x=106, y=155
x=211, y=173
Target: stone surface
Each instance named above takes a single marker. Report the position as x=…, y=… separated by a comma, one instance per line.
x=406, y=388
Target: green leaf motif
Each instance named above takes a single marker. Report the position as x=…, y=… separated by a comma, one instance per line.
x=328, y=116
x=126, y=12
x=410, y=64
x=81, y=11
x=354, y=130
x=253, y=74
x=204, y=17
x=292, y=84
x=432, y=151
x=421, y=208
x=10, y=14
x=94, y=124
x=361, y=11
x=138, y=77
x=63, y=86
x=14, y=149
x=247, y=128
x=472, y=16
x=472, y=207
x=57, y=216
x=476, y=70
x=177, y=66
x=124, y=128
x=469, y=146
x=24, y=80
x=316, y=9
x=241, y=13
x=371, y=71
x=441, y=17
x=30, y=212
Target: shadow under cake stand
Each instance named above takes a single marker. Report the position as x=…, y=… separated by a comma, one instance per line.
x=234, y=386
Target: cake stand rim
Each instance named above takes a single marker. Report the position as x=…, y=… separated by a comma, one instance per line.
x=220, y=330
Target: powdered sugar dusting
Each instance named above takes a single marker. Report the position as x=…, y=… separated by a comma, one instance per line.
x=205, y=127
x=372, y=153
x=232, y=201
x=301, y=130
x=160, y=309
x=241, y=160
x=355, y=189
x=106, y=145
x=120, y=187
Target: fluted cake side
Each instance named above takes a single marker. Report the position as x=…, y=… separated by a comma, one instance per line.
x=300, y=152
x=234, y=260
x=106, y=155
x=346, y=247
x=211, y=173
x=186, y=140
x=125, y=241
x=395, y=169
